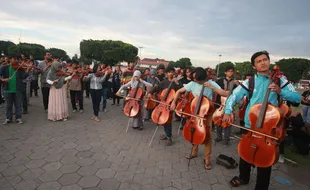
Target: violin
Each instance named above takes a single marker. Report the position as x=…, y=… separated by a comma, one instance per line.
x=132, y=107
x=63, y=73
x=23, y=66
x=184, y=105
x=196, y=129
x=162, y=114
x=260, y=146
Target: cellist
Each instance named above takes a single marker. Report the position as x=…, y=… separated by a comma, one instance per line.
x=261, y=63
x=134, y=83
x=163, y=85
x=200, y=78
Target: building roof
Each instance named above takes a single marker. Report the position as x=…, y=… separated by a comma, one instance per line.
x=148, y=61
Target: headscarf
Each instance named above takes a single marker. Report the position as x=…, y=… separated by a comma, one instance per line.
x=52, y=75
x=135, y=83
x=153, y=72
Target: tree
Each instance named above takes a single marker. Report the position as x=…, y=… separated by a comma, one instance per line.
x=294, y=68
x=243, y=68
x=171, y=64
x=27, y=49
x=222, y=68
x=4, y=47
x=59, y=53
x=183, y=62
x=108, y=51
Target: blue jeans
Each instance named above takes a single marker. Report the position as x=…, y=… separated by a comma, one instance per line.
x=16, y=100
x=105, y=92
x=306, y=114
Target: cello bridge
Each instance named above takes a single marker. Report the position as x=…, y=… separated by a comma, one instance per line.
x=256, y=136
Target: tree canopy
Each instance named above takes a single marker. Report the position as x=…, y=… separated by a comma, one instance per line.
x=59, y=53
x=181, y=63
x=108, y=51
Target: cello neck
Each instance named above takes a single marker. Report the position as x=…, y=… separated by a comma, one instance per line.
x=263, y=110
x=135, y=92
x=167, y=92
x=199, y=100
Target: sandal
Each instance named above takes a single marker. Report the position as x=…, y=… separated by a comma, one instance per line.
x=189, y=156
x=163, y=137
x=236, y=181
x=207, y=165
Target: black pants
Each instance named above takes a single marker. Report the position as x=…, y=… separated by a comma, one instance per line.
x=45, y=94
x=87, y=88
x=34, y=87
x=96, y=98
x=24, y=101
x=263, y=175
x=117, y=98
x=1, y=99
x=79, y=95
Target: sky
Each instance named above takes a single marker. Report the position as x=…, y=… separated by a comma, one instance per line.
x=167, y=29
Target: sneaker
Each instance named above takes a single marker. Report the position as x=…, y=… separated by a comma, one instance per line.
x=163, y=137
x=105, y=110
x=19, y=121
x=112, y=104
x=281, y=159
x=117, y=104
x=81, y=110
x=7, y=121
x=74, y=110
x=65, y=119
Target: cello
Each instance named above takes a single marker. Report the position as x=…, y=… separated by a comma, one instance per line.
x=195, y=129
x=184, y=105
x=265, y=132
x=132, y=106
x=162, y=115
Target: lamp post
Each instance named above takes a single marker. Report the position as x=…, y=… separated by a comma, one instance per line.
x=218, y=67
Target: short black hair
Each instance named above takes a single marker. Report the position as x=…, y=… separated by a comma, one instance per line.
x=170, y=69
x=47, y=51
x=259, y=53
x=185, y=69
x=161, y=66
x=15, y=56
x=74, y=61
x=249, y=75
x=229, y=67
x=201, y=74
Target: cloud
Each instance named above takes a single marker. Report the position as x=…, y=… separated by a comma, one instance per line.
x=200, y=29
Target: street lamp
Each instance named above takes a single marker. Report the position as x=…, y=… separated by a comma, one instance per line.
x=140, y=51
x=218, y=67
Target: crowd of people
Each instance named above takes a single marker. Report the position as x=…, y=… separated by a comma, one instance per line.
x=59, y=81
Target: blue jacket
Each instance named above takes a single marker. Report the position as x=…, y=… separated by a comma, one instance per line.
x=261, y=84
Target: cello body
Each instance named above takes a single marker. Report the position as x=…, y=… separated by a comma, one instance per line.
x=184, y=105
x=196, y=130
x=162, y=114
x=219, y=113
x=132, y=107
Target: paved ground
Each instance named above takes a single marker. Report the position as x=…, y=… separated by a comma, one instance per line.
x=83, y=154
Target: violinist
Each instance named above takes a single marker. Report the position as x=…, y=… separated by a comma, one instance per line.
x=261, y=63
x=86, y=84
x=44, y=68
x=227, y=83
x=134, y=83
x=96, y=89
x=154, y=81
x=57, y=103
x=200, y=78
x=127, y=75
x=163, y=85
x=116, y=83
x=13, y=87
x=34, y=86
x=75, y=87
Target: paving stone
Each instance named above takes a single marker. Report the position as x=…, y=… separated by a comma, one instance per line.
x=89, y=181
x=53, y=157
x=109, y=184
x=69, y=152
x=38, y=155
x=105, y=173
x=102, y=164
x=69, y=160
x=69, y=168
x=14, y=180
x=54, y=150
x=35, y=163
x=124, y=176
x=50, y=176
x=52, y=166
x=85, y=162
x=19, y=169
x=87, y=170
x=83, y=147
x=27, y=185
x=69, y=145
x=69, y=179
x=84, y=154
x=220, y=186
x=9, y=172
x=53, y=185
x=129, y=186
x=150, y=187
x=31, y=174
x=72, y=187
